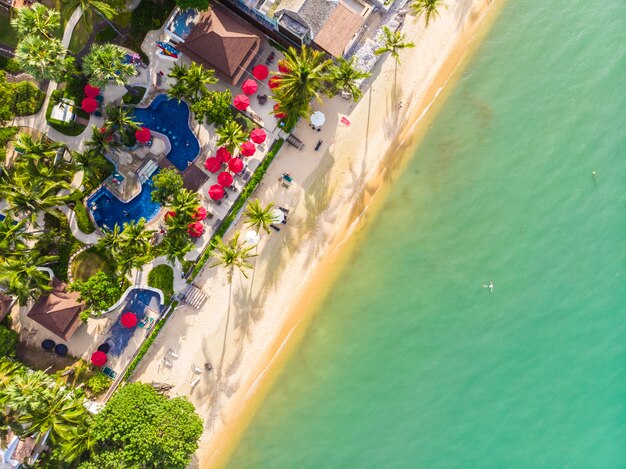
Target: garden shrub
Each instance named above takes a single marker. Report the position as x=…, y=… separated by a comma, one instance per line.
x=162, y=277
x=98, y=383
x=8, y=342
x=99, y=292
x=58, y=240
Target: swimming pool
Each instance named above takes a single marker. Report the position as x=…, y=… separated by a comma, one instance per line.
x=111, y=211
x=183, y=22
x=137, y=302
x=171, y=118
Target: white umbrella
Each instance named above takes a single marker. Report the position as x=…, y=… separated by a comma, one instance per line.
x=318, y=118
x=252, y=238
x=278, y=216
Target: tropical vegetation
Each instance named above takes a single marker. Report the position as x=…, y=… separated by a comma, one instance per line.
x=98, y=293
x=345, y=78
x=8, y=342
x=233, y=255
x=167, y=183
x=214, y=108
x=429, y=9
x=191, y=82
x=231, y=135
x=259, y=216
x=107, y=62
x=393, y=42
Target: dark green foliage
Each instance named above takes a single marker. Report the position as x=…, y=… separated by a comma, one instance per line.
x=241, y=201
x=82, y=218
x=8, y=342
x=214, y=108
x=200, y=5
x=9, y=65
x=130, y=98
x=140, y=428
x=162, y=277
x=167, y=183
x=99, y=293
x=6, y=134
x=108, y=34
x=58, y=240
x=99, y=383
x=147, y=16
x=18, y=99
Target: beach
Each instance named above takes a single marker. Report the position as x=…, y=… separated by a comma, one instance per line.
x=243, y=327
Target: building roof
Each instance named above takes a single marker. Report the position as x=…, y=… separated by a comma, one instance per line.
x=59, y=311
x=194, y=177
x=342, y=25
x=222, y=41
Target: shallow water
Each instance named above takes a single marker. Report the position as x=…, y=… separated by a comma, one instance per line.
x=409, y=362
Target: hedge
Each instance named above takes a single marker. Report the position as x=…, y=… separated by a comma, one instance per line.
x=82, y=218
x=239, y=203
x=8, y=342
x=162, y=277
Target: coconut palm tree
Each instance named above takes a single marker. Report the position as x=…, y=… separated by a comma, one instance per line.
x=22, y=278
x=121, y=119
x=36, y=19
x=175, y=246
x=102, y=140
x=104, y=9
x=259, y=217
x=427, y=8
x=39, y=149
x=345, y=77
x=105, y=62
x=231, y=135
x=13, y=237
x=191, y=82
x=91, y=163
x=111, y=240
x=185, y=203
x=307, y=76
x=233, y=255
x=135, y=237
x=43, y=58
x=393, y=43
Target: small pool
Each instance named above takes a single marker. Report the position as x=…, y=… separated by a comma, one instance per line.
x=110, y=210
x=183, y=22
x=137, y=302
x=171, y=118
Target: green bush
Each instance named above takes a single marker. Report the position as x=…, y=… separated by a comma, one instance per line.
x=9, y=65
x=58, y=240
x=99, y=292
x=8, y=342
x=82, y=218
x=162, y=277
x=241, y=201
x=6, y=134
x=98, y=383
x=28, y=98
x=130, y=98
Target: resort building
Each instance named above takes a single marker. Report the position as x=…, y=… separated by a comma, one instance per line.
x=331, y=25
x=59, y=312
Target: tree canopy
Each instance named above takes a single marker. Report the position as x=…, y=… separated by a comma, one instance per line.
x=167, y=183
x=140, y=428
x=99, y=292
x=200, y=5
x=214, y=108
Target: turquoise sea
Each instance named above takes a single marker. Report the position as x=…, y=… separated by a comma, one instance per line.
x=409, y=362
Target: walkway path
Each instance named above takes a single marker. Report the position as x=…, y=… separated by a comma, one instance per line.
x=141, y=276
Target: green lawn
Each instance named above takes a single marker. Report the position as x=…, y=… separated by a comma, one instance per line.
x=7, y=33
x=88, y=263
x=162, y=277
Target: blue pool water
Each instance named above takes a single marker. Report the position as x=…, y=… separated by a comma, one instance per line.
x=171, y=118
x=137, y=302
x=183, y=22
x=111, y=211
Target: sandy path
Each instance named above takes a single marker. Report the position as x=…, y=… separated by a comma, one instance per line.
x=239, y=333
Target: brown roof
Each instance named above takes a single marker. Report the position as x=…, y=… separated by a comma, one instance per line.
x=222, y=41
x=58, y=312
x=194, y=177
x=339, y=30
x=5, y=305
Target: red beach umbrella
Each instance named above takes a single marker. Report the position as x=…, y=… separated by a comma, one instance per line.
x=258, y=135
x=195, y=229
x=89, y=105
x=98, y=358
x=241, y=102
x=223, y=154
x=260, y=72
x=213, y=164
x=282, y=67
x=169, y=215
x=249, y=86
x=248, y=148
x=91, y=91
x=129, y=320
x=216, y=192
x=224, y=179
x=200, y=214
x=143, y=135
x=278, y=113
x=235, y=165
x=274, y=82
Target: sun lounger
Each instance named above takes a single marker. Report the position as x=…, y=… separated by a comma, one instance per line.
x=172, y=353
x=149, y=324
x=109, y=372
x=167, y=363
x=195, y=369
x=195, y=381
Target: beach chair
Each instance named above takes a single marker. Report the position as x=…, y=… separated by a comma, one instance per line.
x=109, y=372
x=167, y=363
x=149, y=323
x=196, y=370
x=172, y=353
x=195, y=381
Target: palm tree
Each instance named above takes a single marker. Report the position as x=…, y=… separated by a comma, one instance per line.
x=39, y=149
x=191, y=82
x=185, y=202
x=307, y=76
x=258, y=216
x=102, y=140
x=175, y=246
x=91, y=163
x=105, y=62
x=345, y=77
x=135, y=237
x=428, y=8
x=42, y=58
x=13, y=237
x=121, y=119
x=233, y=255
x=102, y=8
x=177, y=91
x=22, y=277
x=393, y=43
x=36, y=19
x=231, y=135
x=111, y=240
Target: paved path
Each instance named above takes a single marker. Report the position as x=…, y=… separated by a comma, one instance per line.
x=141, y=276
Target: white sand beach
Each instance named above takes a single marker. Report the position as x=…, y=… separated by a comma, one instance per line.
x=241, y=328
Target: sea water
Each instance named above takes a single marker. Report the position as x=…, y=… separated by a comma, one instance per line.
x=410, y=362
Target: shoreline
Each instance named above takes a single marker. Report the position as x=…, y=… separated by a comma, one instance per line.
x=321, y=279
x=249, y=335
